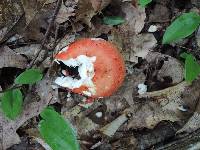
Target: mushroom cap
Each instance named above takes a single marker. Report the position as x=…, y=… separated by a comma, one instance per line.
x=109, y=66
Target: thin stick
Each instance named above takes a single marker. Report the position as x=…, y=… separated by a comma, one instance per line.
x=58, y=5
x=11, y=88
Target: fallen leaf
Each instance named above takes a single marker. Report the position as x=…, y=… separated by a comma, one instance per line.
x=66, y=10
x=141, y=45
x=93, y=32
x=31, y=8
x=85, y=12
x=132, y=44
x=148, y=114
x=37, y=18
x=29, y=50
x=112, y=127
x=192, y=124
x=161, y=105
x=8, y=128
x=171, y=67
x=40, y=21
x=99, y=4
x=11, y=16
x=65, y=41
x=134, y=17
x=83, y=124
x=9, y=58
x=191, y=97
x=87, y=9
x=160, y=13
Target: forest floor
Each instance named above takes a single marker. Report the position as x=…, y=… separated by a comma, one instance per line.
x=166, y=115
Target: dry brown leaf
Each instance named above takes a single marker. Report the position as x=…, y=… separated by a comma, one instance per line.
x=31, y=8
x=33, y=107
x=148, y=114
x=50, y=1
x=160, y=105
x=93, y=32
x=141, y=45
x=160, y=13
x=133, y=46
x=11, y=13
x=134, y=17
x=169, y=98
x=87, y=9
x=99, y=4
x=66, y=10
x=191, y=98
x=126, y=36
x=85, y=12
x=192, y=124
x=171, y=67
x=37, y=18
x=29, y=51
x=65, y=41
x=81, y=123
x=8, y=58
x=148, y=110
x=40, y=21
x=112, y=127
x=3, y=32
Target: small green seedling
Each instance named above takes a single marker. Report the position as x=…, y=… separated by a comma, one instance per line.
x=56, y=131
x=192, y=67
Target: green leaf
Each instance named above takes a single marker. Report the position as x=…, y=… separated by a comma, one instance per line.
x=113, y=20
x=57, y=132
x=29, y=76
x=11, y=103
x=192, y=68
x=184, y=55
x=143, y=3
x=182, y=27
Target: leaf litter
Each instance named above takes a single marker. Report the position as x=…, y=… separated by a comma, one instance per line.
x=168, y=98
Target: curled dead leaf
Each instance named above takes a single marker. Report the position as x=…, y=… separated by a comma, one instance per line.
x=191, y=97
x=171, y=67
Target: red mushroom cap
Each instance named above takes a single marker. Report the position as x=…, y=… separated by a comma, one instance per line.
x=109, y=66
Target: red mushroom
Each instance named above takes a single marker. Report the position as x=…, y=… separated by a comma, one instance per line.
x=100, y=66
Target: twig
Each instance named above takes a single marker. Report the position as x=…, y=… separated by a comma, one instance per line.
x=184, y=47
x=56, y=36
x=58, y=5
x=166, y=92
x=11, y=88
